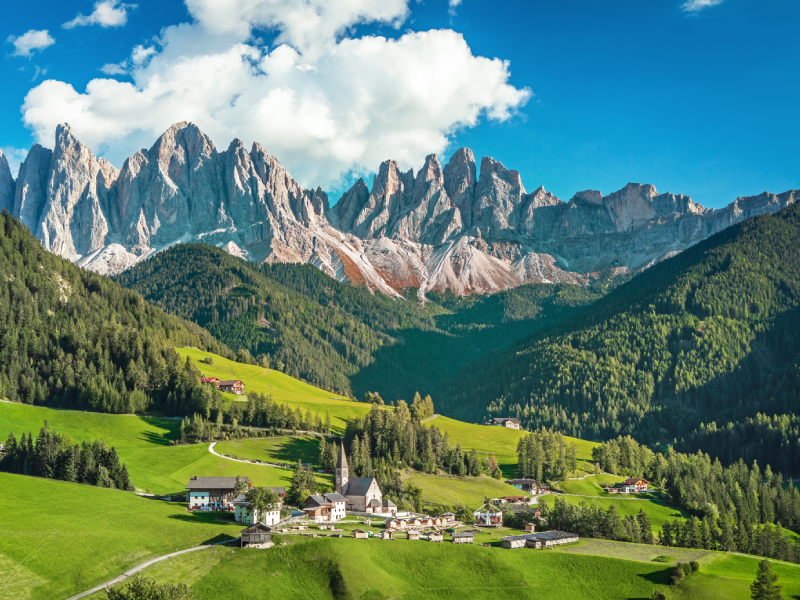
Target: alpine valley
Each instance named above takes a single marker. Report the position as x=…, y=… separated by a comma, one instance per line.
x=443, y=228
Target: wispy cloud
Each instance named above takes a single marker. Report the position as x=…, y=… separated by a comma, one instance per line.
x=453, y=5
x=695, y=6
x=114, y=69
x=108, y=13
x=38, y=72
x=25, y=44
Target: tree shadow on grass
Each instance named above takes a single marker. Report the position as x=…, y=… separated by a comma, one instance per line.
x=304, y=448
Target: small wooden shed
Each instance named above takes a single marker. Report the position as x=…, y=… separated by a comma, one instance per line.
x=530, y=527
x=435, y=536
x=413, y=535
x=463, y=537
x=386, y=534
x=360, y=534
x=255, y=534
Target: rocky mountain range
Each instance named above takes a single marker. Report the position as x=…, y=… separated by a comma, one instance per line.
x=443, y=228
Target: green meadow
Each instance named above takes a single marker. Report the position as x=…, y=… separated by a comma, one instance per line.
x=143, y=445
x=284, y=389
x=657, y=511
x=378, y=569
x=448, y=490
x=58, y=538
x=501, y=442
x=280, y=449
x=589, y=486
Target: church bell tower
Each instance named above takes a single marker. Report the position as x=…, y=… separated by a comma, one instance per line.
x=342, y=471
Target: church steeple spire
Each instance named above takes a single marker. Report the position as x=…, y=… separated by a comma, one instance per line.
x=342, y=471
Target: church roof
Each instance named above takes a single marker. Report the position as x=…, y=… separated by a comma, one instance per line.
x=358, y=486
x=342, y=462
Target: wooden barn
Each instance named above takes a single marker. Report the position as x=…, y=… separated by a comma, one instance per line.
x=435, y=537
x=545, y=539
x=255, y=535
x=413, y=535
x=386, y=534
x=360, y=534
x=463, y=537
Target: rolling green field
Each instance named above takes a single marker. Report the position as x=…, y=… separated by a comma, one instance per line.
x=375, y=569
x=281, y=449
x=502, y=443
x=590, y=486
x=59, y=538
x=448, y=490
x=656, y=510
x=143, y=445
x=284, y=389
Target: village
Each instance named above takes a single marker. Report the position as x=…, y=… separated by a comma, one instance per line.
x=358, y=509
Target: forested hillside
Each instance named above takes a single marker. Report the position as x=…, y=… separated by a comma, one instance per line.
x=69, y=337
x=712, y=334
x=337, y=336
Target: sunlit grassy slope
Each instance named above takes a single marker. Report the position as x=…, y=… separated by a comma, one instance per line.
x=468, y=490
x=59, y=538
x=590, y=486
x=280, y=449
x=502, y=443
x=656, y=510
x=284, y=389
x=142, y=444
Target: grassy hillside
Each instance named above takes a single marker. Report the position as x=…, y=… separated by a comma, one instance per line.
x=590, y=486
x=378, y=569
x=280, y=449
x=283, y=388
x=447, y=490
x=59, y=538
x=502, y=443
x=712, y=334
x=142, y=443
x=657, y=511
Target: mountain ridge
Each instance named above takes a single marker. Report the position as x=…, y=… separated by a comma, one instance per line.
x=445, y=227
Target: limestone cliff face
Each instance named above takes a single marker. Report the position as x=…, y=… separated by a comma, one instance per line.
x=7, y=185
x=448, y=227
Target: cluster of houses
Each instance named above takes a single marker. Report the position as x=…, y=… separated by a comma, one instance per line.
x=632, y=485
x=544, y=539
x=219, y=494
x=233, y=386
x=530, y=486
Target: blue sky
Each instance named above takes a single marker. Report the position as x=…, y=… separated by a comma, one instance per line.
x=593, y=95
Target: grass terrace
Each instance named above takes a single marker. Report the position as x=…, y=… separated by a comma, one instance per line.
x=284, y=389
x=281, y=449
x=448, y=490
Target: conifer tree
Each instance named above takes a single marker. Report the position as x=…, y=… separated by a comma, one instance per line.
x=765, y=587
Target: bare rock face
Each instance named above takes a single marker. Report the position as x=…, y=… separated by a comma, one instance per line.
x=443, y=228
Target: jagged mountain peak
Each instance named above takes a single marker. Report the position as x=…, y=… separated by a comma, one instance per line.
x=442, y=228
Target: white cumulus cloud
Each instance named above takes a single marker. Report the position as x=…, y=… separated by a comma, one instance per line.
x=695, y=6
x=25, y=44
x=108, y=13
x=323, y=103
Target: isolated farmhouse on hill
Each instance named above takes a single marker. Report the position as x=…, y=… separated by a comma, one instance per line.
x=216, y=493
x=362, y=493
x=511, y=422
x=233, y=386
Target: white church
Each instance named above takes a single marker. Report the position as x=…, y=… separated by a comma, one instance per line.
x=362, y=493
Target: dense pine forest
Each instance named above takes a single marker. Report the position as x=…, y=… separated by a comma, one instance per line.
x=72, y=338
x=736, y=508
x=340, y=337
x=712, y=334
x=54, y=456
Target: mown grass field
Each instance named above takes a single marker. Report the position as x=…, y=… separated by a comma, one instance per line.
x=280, y=449
x=657, y=511
x=502, y=443
x=729, y=578
x=590, y=486
x=375, y=569
x=143, y=445
x=58, y=538
x=442, y=489
x=284, y=389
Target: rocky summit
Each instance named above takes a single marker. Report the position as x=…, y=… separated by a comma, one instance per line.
x=443, y=228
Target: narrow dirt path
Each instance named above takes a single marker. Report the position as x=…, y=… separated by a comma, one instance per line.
x=248, y=462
